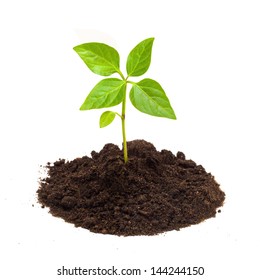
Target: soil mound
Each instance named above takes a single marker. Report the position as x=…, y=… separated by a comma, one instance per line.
x=153, y=193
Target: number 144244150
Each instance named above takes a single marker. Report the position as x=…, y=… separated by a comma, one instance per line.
x=189, y=270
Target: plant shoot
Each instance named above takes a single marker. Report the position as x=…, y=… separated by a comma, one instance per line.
x=146, y=95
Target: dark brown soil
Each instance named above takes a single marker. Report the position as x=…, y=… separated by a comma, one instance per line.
x=153, y=193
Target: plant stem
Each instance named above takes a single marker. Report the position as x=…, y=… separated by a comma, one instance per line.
x=123, y=117
x=123, y=127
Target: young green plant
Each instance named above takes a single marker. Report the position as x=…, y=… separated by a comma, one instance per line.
x=146, y=95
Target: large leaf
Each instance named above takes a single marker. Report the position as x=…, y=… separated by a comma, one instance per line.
x=106, y=118
x=108, y=92
x=139, y=58
x=100, y=58
x=149, y=97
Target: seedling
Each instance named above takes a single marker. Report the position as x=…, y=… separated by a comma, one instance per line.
x=146, y=96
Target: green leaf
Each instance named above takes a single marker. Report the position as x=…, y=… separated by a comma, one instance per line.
x=106, y=118
x=107, y=93
x=139, y=58
x=149, y=97
x=100, y=58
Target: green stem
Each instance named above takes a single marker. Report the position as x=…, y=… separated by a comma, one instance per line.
x=121, y=75
x=123, y=127
x=123, y=117
x=118, y=115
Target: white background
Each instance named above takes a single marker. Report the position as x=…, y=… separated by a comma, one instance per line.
x=205, y=55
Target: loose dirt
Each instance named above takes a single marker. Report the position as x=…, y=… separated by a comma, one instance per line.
x=153, y=193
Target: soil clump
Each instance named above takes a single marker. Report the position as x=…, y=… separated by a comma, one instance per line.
x=154, y=192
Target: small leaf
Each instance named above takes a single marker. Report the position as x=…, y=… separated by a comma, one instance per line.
x=100, y=58
x=149, y=97
x=106, y=118
x=107, y=93
x=139, y=58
